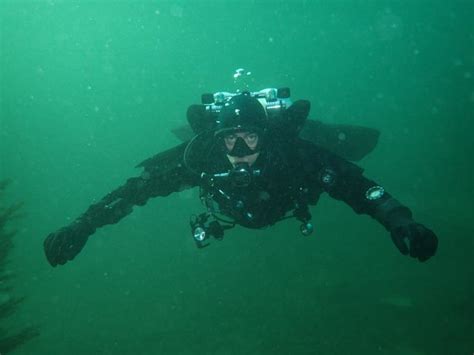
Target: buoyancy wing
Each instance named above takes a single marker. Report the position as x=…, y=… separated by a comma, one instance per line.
x=348, y=141
x=164, y=161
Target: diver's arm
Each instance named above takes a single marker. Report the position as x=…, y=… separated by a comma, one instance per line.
x=345, y=181
x=163, y=175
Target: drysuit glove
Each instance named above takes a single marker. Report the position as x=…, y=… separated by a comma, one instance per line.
x=64, y=244
x=413, y=238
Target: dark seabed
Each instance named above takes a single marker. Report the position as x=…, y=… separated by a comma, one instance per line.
x=91, y=88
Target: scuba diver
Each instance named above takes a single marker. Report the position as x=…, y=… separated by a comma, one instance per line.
x=257, y=160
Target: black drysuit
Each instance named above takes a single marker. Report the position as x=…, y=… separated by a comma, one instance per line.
x=293, y=172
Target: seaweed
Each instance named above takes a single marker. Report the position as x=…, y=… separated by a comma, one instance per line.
x=10, y=339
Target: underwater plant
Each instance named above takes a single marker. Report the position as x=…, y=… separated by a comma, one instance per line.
x=9, y=338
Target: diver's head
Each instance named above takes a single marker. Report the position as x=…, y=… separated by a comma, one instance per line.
x=241, y=126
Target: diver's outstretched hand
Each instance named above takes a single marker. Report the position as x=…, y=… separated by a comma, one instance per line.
x=64, y=244
x=415, y=239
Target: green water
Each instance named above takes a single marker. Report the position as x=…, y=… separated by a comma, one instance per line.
x=91, y=88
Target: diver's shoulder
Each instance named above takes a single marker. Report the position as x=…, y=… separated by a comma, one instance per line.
x=311, y=151
x=307, y=147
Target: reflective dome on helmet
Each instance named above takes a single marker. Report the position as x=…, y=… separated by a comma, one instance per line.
x=242, y=113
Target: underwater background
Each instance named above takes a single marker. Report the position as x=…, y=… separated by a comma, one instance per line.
x=88, y=89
